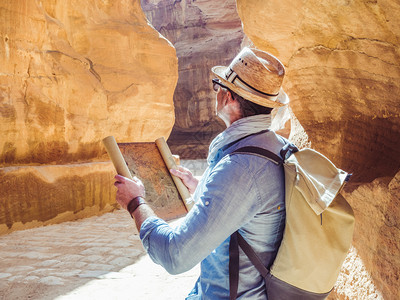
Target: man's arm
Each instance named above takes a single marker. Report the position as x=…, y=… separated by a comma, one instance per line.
x=141, y=214
x=128, y=190
x=219, y=210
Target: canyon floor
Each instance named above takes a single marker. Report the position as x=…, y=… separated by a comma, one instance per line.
x=94, y=258
x=100, y=257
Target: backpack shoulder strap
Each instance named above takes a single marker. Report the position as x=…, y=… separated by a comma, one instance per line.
x=252, y=255
x=259, y=152
x=236, y=241
x=245, y=137
x=285, y=152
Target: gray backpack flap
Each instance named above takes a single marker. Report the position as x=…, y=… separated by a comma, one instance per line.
x=318, y=231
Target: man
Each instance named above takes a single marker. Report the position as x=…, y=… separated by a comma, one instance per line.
x=237, y=191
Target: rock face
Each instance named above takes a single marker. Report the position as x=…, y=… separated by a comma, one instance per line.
x=34, y=196
x=72, y=73
x=376, y=239
x=343, y=71
x=342, y=75
x=205, y=33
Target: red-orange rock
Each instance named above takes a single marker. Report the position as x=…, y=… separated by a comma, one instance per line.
x=72, y=73
x=375, y=258
x=34, y=196
x=343, y=74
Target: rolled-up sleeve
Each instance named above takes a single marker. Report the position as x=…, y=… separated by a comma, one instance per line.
x=213, y=218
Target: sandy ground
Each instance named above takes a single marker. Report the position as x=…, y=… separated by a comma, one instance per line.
x=94, y=258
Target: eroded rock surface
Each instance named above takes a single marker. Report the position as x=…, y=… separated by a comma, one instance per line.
x=72, y=73
x=33, y=196
x=343, y=70
x=376, y=238
x=343, y=77
x=205, y=33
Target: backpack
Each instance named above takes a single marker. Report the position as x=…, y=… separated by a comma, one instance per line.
x=318, y=230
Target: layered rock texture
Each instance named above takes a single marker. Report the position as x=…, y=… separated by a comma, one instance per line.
x=205, y=33
x=72, y=73
x=343, y=77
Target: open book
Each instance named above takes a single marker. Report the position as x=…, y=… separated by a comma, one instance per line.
x=151, y=162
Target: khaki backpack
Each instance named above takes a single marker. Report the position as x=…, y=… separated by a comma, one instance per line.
x=318, y=231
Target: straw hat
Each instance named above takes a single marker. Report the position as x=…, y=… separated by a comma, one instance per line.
x=256, y=76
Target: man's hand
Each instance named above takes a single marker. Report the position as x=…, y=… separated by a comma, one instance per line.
x=128, y=189
x=187, y=178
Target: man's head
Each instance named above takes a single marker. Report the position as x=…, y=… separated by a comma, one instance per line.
x=247, y=108
x=253, y=80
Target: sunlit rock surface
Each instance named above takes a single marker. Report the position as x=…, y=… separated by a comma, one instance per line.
x=34, y=196
x=343, y=78
x=343, y=70
x=71, y=73
x=205, y=33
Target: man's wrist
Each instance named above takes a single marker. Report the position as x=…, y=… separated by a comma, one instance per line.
x=134, y=204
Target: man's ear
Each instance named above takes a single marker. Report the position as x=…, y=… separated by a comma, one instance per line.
x=229, y=96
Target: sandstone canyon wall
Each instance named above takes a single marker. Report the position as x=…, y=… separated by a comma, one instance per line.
x=205, y=33
x=343, y=78
x=72, y=73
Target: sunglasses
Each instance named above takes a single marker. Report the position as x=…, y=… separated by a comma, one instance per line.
x=217, y=84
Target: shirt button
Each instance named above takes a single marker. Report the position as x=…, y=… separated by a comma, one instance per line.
x=206, y=203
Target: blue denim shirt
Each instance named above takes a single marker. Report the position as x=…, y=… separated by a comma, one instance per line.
x=240, y=191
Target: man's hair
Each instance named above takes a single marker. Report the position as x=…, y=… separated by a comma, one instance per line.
x=249, y=108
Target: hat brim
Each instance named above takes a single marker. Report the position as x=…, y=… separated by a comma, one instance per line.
x=280, y=100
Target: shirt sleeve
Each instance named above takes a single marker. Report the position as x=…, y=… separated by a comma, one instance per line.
x=227, y=200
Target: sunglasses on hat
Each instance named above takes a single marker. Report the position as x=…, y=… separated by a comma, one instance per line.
x=216, y=84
